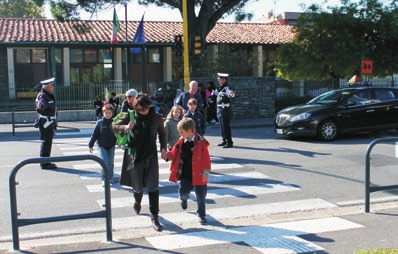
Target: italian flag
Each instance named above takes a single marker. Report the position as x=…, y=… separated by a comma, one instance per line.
x=115, y=27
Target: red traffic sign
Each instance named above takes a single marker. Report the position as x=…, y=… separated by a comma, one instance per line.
x=367, y=67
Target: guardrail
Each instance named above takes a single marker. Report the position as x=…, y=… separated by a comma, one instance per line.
x=14, y=125
x=368, y=187
x=16, y=222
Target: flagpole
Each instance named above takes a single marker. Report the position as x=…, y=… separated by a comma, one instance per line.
x=139, y=38
x=143, y=52
x=128, y=76
x=186, y=44
x=143, y=68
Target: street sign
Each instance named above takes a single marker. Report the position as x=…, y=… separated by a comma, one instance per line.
x=366, y=67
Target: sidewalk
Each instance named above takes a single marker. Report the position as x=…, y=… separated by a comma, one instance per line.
x=85, y=127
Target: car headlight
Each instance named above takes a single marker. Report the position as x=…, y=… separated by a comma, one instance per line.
x=300, y=117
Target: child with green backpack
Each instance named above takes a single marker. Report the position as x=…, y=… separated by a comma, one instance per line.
x=106, y=139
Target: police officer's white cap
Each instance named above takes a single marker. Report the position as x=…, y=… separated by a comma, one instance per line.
x=132, y=92
x=47, y=82
x=222, y=75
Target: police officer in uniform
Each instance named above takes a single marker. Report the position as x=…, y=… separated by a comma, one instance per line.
x=47, y=110
x=224, y=109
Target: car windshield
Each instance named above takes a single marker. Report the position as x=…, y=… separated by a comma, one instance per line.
x=332, y=97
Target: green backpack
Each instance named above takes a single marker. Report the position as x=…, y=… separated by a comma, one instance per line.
x=123, y=139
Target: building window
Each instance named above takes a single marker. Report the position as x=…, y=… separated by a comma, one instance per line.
x=76, y=55
x=90, y=65
x=90, y=56
x=137, y=57
x=58, y=56
x=105, y=56
x=22, y=56
x=154, y=55
x=39, y=56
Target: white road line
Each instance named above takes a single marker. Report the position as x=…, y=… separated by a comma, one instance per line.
x=81, y=132
x=372, y=200
x=280, y=238
x=217, y=214
x=214, y=178
x=235, y=191
x=163, y=166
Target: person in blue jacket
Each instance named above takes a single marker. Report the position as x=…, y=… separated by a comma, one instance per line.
x=197, y=116
x=191, y=94
x=106, y=139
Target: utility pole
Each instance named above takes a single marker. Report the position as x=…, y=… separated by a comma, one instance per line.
x=186, y=44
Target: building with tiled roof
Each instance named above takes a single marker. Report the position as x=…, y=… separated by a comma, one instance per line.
x=79, y=50
x=37, y=31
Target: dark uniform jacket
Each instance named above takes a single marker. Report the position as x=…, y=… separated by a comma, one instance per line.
x=223, y=100
x=48, y=107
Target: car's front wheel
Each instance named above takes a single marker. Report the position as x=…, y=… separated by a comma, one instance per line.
x=328, y=130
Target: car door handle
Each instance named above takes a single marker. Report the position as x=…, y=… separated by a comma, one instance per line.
x=370, y=110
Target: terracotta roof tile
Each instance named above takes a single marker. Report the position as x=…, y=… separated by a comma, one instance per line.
x=97, y=31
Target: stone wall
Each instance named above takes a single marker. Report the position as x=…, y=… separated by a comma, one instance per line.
x=255, y=97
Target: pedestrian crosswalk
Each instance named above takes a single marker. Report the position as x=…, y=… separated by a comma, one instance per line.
x=228, y=182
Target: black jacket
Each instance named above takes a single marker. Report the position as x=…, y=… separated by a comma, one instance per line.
x=103, y=133
x=170, y=96
x=48, y=104
x=200, y=122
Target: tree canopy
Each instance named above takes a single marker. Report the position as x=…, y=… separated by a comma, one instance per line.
x=20, y=9
x=332, y=44
x=202, y=14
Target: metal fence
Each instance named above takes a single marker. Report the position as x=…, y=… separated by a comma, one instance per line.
x=74, y=97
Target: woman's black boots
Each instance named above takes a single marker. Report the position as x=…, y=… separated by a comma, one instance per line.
x=154, y=209
x=137, y=203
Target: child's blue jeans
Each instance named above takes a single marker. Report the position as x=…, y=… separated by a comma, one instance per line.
x=200, y=191
x=108, y=155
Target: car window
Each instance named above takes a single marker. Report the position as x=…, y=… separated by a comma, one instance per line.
x=382, y=95
x=331, y=97
x=361, y=98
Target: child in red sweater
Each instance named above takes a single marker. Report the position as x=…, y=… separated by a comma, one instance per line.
x=190, y=164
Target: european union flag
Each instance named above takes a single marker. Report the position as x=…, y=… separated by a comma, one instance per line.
x=139, y=36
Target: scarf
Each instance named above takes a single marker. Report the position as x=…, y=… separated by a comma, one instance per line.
x=143, y=142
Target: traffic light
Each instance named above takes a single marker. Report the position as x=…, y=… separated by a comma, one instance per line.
x=178, y=46
x=197, y=45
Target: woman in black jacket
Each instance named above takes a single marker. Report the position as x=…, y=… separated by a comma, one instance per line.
x=140, y=168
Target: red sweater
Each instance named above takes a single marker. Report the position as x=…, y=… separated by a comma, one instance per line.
x=200, y=160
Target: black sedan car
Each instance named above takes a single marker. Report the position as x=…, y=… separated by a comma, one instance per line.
x=340, y=111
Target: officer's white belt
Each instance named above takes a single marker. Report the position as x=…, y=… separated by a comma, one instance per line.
x=46, y=117
x=223, y=105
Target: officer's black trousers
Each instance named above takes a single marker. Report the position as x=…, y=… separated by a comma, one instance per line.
x=225, y=128
x=46, y=138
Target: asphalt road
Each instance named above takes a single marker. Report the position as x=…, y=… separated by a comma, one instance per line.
x=268, y=194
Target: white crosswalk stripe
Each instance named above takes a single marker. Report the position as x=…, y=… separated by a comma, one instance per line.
x=278, y=238
x=227, y=181
x=211, y=194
